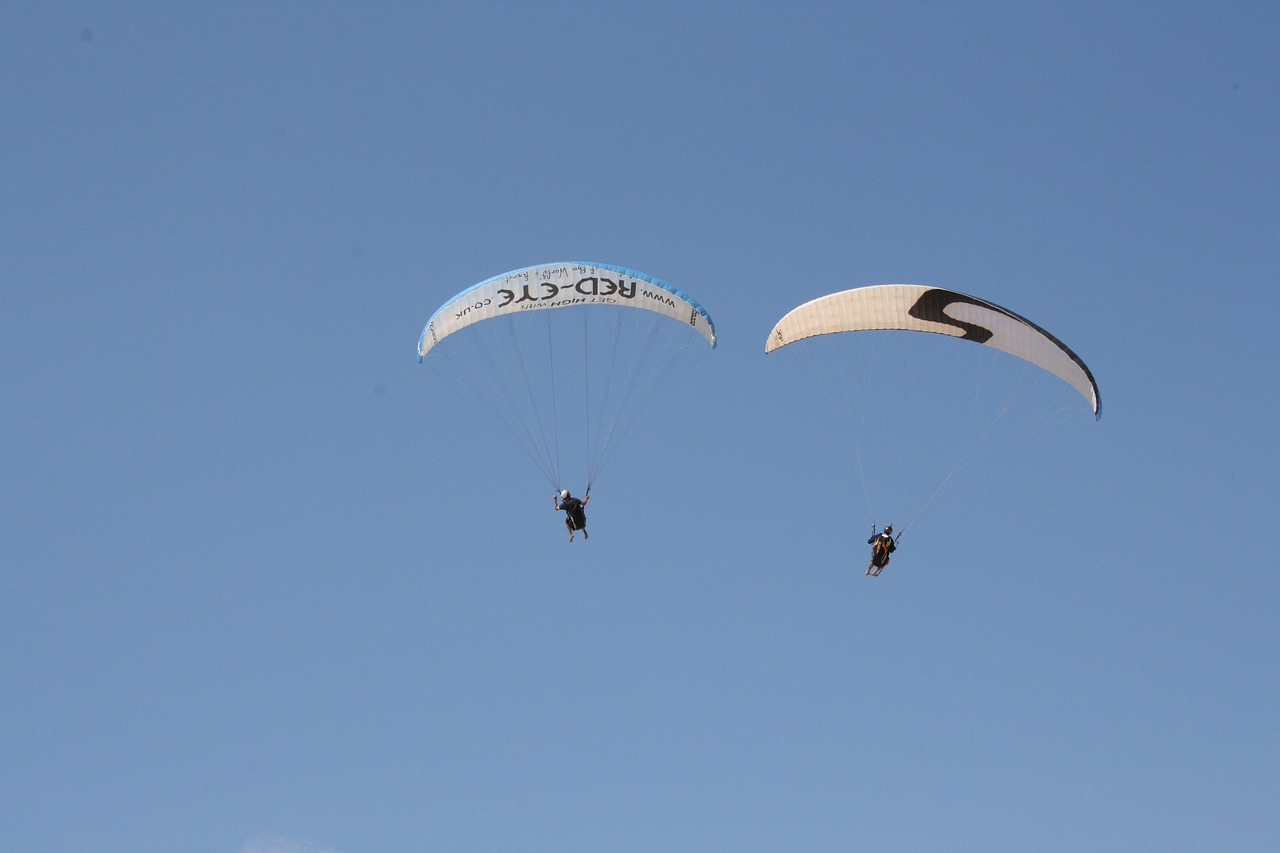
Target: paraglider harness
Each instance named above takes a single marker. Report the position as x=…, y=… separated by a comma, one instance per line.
x=573, y=509
x=881, y=547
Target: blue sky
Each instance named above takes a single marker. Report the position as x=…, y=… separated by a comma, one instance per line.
x=268, y=586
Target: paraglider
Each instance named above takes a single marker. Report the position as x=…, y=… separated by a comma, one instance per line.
x=882, y=545
x=902, y=431
x=575, y=516
x=915, y=308
x=567, y=285
x=565, y=356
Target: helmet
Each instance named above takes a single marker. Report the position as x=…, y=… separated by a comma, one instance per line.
x=564, y=494
x=888, y=528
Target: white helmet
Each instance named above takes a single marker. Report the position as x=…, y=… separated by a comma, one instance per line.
x=564, y=494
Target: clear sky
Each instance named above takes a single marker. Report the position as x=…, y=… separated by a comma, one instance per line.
x=268, y=586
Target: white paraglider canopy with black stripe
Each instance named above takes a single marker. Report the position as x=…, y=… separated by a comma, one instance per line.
x=913, y=414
